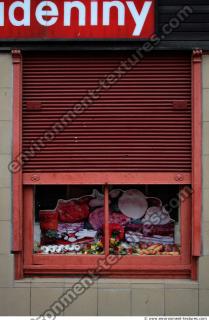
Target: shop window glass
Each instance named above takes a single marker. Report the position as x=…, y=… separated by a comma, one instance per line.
x=65, y=219
x=143, y=220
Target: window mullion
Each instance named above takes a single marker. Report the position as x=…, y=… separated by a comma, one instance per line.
x=106, y=218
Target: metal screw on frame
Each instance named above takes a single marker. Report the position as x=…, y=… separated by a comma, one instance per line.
x=35, y=177
x=179, y=177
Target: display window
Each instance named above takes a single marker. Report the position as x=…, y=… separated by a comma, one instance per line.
x=122, y=180
x=69, y=228
x=143, y=220
x=73, y=222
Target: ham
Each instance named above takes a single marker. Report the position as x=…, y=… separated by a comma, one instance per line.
x=96, y=218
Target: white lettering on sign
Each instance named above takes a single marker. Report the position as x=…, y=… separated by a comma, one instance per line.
x=139, y=18
x=25, y=6
x=1, y=14
x=94, y=13
x=107, y=5
x=131, y=14
x=68, y=6
x=41, y=13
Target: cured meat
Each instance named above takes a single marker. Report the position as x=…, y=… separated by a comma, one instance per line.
x=96, y=218
x=48, y=220
x=119, y=218
x=133, y=204
x=156, y=216
x=72, y=210
x=97, y=200
x=70, y=227
x=137, y=237
x=164, y=230
x=134, y=227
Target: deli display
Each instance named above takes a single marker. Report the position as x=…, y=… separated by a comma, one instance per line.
x=139, y=224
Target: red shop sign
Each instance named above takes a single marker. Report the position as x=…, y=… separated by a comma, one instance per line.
x=85, y=19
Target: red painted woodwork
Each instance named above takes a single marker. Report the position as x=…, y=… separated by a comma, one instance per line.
x=185, y=229
x=110, y=178
x=106, y=219
x=168, y=171
x=196, y=150
x=129, y=264
x=29, y=27
x=17, y=177
x=17, y=146
x=158, y=273
x=28, y=224
x=132, y=127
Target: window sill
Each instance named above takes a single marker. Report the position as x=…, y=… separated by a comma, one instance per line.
x=113, y=283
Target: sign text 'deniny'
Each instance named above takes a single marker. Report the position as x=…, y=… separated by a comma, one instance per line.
x=81, y=19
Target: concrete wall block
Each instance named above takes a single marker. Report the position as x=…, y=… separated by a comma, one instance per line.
x=181, y=284
x=87, y=282
x=6, y=137
x=203, y=302
x=6, y=95
x=114, y=302
x=5, y=204
x=6, y=76
x=5, y=175
x=103, y=285
x=206, y=172
x=205, y=216
x=14, y=301
x=204, y=272
x=205, y=138
x=43, y=298
x=5, y=237
x=205, y=69
x=181, y=302
x=205, y=238
x=85, y=304
x=6, y=270
x=147, y=301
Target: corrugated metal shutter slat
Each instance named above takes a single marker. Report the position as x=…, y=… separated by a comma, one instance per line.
x=132, y=127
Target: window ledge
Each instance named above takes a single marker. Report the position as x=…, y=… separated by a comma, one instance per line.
x=114, y=283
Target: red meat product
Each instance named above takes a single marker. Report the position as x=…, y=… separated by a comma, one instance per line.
x=164, y=230
x=72, y=210
x=161, y=230
x=134, y=227
x=96, y=218
x=119, y=218
x=48, y=220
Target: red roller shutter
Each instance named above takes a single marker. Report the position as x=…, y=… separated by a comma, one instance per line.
x=134, y=126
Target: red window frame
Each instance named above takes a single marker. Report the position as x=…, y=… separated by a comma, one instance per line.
x=183, y=266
